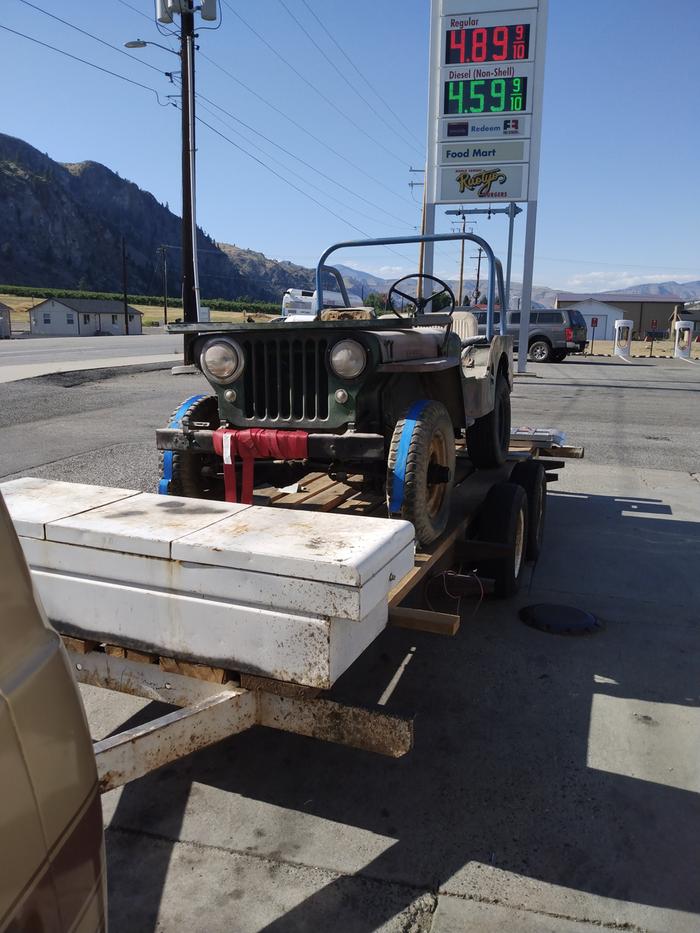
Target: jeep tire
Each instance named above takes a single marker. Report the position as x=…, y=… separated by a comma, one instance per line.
x=488, y=438
x=421, y=469
x=195, y=474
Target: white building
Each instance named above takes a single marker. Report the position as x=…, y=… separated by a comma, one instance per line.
x=82, y=317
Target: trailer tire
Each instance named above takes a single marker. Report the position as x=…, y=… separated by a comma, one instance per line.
x=504, y=521
x=489, y=437
x=532, y=476
x=423, y=440
x=188, y=472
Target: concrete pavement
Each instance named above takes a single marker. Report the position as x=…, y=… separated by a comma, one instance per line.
x=554, y=785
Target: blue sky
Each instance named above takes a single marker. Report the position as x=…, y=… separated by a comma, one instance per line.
x=619, y=182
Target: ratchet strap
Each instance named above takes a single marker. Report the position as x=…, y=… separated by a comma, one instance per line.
x=253, y=444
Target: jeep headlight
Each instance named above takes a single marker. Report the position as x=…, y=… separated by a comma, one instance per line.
x=348, y=359
x=222, y=360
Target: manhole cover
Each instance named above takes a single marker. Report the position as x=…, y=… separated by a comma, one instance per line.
x=560, y=620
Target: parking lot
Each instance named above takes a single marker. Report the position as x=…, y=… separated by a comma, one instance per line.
x=554, y=782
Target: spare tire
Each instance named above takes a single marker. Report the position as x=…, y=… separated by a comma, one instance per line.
x=421, y=469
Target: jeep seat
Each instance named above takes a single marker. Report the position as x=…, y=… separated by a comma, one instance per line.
x=465, y=325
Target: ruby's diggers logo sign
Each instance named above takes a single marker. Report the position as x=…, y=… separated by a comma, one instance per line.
x=482, y=181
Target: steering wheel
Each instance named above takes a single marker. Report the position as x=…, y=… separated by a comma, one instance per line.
x=421, y=303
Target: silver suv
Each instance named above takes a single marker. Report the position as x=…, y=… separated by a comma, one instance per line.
x=554, y=333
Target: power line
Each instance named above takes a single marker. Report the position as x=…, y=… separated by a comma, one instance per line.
x=335, y=67
x=308, y=165
x=303, y=129
x=84, y=61
x=90, y=35
x=277, y=174
x=272, y=142
x=354, y=66
x=313, y=87
x=291, y=184
x=295, y=123
x=285, y=167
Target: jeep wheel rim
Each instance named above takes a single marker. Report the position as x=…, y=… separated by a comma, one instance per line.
x=436, y=491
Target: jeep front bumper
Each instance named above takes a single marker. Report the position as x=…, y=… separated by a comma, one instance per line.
x=323, y=447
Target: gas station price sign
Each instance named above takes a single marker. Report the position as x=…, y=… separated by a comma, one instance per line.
x=487, y=44
x=486, y=85
x=490, y=95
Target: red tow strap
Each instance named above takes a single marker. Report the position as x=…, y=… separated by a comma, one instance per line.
x=254, y=444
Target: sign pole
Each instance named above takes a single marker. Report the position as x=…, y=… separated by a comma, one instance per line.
x=526, y=303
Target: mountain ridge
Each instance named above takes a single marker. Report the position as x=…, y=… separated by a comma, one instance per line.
x=61, y=226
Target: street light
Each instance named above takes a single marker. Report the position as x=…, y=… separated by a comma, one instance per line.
x=142, y=43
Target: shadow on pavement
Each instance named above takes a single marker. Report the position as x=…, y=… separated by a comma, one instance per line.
x=500, y=775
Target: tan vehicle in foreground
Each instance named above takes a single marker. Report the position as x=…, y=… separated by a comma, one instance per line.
x=52, y=865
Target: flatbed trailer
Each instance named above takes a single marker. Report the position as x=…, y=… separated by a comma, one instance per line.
x=214, y=703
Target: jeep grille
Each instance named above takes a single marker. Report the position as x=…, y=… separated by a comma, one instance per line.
x=285, y=379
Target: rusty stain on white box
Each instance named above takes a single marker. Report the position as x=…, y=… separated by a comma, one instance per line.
x=305, y=649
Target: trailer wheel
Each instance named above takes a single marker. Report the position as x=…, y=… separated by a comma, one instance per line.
x=421, y=469
x=532, y=476
x=504, y=521
x=489, y=437
x=187, y=472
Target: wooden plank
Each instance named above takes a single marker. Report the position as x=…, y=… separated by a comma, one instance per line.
x=141, y=657
x=214, y=675
x=282, y=688
x=311, y=489
x=115, y=651
x=78, y=645
x=422, y=620
x=332, y=497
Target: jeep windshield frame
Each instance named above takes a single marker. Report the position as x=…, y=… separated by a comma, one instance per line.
x=495, y=268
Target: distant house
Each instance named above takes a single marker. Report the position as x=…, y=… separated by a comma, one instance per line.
x=5, y=324
x=82, y=317
x=614, y=306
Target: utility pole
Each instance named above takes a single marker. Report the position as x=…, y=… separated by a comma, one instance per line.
x=190, y=273
x=124, y=284
x=163, y=250
x=477, y=293
x=165, y=10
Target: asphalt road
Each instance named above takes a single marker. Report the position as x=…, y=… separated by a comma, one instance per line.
x=553, y=787
x=99, y=428
x=34, y=356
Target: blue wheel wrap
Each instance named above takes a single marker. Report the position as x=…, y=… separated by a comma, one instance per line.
x=175, y=422
x=398, y=484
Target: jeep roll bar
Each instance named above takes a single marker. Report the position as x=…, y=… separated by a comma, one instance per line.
x=495, y=267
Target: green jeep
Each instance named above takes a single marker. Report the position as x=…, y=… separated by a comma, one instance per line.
x=381, y=401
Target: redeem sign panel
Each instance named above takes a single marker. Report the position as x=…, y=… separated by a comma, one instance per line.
x=485, y=100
